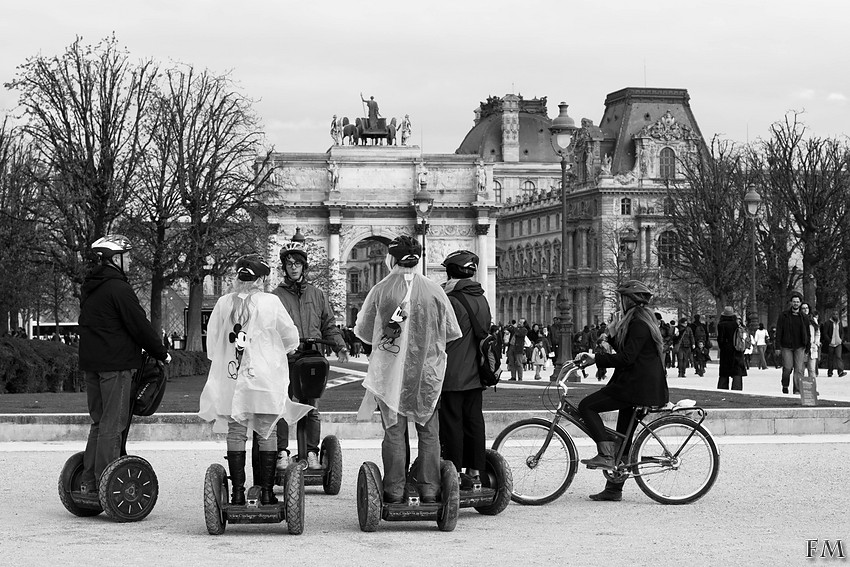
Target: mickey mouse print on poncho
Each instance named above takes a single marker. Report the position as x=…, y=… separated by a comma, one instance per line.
x=239, y=338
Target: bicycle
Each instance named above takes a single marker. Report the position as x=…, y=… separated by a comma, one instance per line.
x=673, y=457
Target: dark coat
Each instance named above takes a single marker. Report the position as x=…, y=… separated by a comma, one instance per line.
x=310, y=311
x=731, y=361
x=826, y=332
x=785, y=337
x=639, y=377
x=462, y=354
x=113, y=326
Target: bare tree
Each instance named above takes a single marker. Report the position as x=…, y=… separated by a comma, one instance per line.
x=20, y=239
x=619, y=265
x=84, y=109
x=807, y=177
x=709, y=220
x=216, y=140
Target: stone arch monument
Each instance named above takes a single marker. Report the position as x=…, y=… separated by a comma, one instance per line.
x=371, y=196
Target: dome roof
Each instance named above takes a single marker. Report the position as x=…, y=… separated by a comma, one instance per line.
x=485, y=139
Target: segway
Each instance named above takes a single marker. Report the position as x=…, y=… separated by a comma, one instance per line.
x=218, y=510
x=492, y=493
x=128, y=487
x=371, y=507
x=308, y=377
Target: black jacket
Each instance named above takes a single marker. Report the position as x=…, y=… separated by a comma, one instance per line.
x=639, y=377
x=732, y=361
x=113, y=326
x=785, y=336
x=462, y=361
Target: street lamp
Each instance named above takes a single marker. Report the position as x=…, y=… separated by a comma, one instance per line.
x=423, y=202
x=752, y=200
x=629, y=241
x=561, y=131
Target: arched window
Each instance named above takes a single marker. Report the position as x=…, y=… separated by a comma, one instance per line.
x=667, y=248
x=667, y=165
x=625, y=206
x=510, y=314
x=497, y=190
x=528, y=185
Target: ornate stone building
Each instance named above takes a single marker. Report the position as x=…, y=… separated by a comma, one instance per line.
x=618, y=186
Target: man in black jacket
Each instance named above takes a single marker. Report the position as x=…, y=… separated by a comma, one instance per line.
x=462, y=434
x=792, y=336
x=113, y=331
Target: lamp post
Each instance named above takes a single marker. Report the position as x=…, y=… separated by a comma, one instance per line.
x=753, y=200
x=561, y=133
x=424, y=204
x=629, y=243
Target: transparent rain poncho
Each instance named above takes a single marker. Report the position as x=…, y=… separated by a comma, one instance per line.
x=248, y=336
x=408, y=320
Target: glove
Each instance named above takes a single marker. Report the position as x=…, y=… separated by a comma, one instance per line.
x=167, y=358
x=342, y=355
x=584, y=359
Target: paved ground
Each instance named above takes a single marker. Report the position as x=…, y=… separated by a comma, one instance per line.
x=771, y=496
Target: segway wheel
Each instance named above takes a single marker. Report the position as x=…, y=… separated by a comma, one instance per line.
x=370, y=495
x=293, y=498
x=128, y=489
x=69, y=481
x=497, y=476
x=450, y=498
x=215, y=496
x=331, y=456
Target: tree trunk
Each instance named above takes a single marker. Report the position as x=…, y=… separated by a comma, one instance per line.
x=196, y=299
x=156, y=305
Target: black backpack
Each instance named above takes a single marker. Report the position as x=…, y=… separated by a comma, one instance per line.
x=489, y=352
x=148, y=386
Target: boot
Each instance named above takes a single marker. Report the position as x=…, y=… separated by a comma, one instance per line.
x=605, y=458
x=268, y=462
x=613, y=492
x=236, y=464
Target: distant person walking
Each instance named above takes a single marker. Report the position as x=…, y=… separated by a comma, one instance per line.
x=732, y=363
x=792, y=337
x=832, y=339
x=760, y=345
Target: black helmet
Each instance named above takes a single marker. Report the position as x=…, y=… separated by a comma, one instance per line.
x=461, y=264
x=251, y=267
x=636, y=291
x=110, y=245
x=406, y=251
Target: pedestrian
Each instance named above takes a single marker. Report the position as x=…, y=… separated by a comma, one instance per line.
x=407, y=320
x=702, y=355
x=792, y=337
x=249, y=334
x=639, y=379
x=462, y=432
x=732, y=363
x=832, y=339
x=813, y=351
x=686, y=345
x=113, y=331
x=760, y=345
x=311, y=311
x=538, y=359
x=516, y=352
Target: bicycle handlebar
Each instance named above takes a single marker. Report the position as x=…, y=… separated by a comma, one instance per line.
x=313, y=341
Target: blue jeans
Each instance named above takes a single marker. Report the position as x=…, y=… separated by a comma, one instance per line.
x=394, y=454
x=793, y=360
x=108, y=396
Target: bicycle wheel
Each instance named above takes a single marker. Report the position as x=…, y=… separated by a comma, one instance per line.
x=541, y=480
x=671, y=468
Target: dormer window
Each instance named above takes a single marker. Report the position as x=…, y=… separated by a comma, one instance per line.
x=667, y=165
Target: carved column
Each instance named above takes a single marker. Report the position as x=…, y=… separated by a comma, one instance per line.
x=582, y=263
x=648, y=245
x=481, y=231
x=570, y=244
x=333, y=241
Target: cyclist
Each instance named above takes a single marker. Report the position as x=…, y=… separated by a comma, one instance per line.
x=314, y=318
x=113, y=331
x=406, y=320
x=462, y=433
x=639, y=377
x=248, y=336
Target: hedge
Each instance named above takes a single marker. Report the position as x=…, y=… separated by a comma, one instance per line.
x=32, y=366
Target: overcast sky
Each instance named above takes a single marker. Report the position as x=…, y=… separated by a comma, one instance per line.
x=745, y=63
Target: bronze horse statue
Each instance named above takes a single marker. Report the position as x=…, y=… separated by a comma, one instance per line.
x=359, y=132
x=350, y=131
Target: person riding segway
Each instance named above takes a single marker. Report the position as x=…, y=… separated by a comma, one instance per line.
x=113, y=331
x=248, y=335
x=406, y=320
x=486, y=483
x=314, y=318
